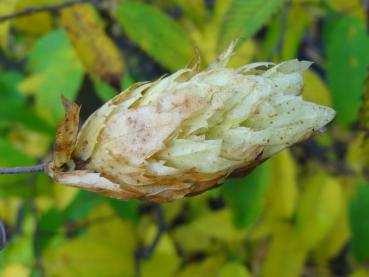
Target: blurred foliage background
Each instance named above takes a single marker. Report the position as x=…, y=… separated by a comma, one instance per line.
x=305, y=212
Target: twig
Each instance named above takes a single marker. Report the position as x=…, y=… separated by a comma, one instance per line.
x=45, y=8
x=22, y=169
x=2, y=235
x=146, y=252
x=36, y=234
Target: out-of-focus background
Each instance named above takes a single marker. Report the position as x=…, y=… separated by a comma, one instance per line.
x=305, y=212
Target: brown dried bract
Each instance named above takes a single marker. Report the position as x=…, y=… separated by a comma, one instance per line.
x=66, y=133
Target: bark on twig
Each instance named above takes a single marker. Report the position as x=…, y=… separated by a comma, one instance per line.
x=23, y=169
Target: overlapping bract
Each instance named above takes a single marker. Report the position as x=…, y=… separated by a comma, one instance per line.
x=186, y=132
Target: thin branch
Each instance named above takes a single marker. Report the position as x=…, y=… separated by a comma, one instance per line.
x=36, y=234
x=23, y=169
x=45, y=8
x=2, y=235
x=146, y=252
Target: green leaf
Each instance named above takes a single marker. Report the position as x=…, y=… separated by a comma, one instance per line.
x=11, y=157
x=346, y=45
x=245, y=18
x=126, y=81
x=62, y=72
x=13, y=104
x=104, y=90
x=9, y=93
x=125, y=209
x=82, y=205
x=160, y=36
x=359, y=223
x=246, y=195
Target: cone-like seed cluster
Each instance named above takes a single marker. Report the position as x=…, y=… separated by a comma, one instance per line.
x=186, y=132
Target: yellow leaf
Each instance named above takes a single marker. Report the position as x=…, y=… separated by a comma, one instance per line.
x=16, y=270
x=315, y=90
x=338, y=235
x=106, y=250
x=294, y=31
x=360, y=272
x=96, y=50
x=244, y=54
x=282, y=195
x=9, y=208
x=208, y=229
x=30, y=85
x=352, y=7
x=234, y=269
x=209, y=267
x=283, y=190
x=6, y=7
x=285, y=255
x=33, y=143
x=319, y=208
x=35, y=24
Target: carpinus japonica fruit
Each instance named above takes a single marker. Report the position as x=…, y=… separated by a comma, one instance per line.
x=185, y=133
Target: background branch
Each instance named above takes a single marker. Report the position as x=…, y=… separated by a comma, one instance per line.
x=2, y=235
x=45, y=8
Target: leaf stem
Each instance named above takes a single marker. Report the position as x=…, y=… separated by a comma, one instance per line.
x=23, y=169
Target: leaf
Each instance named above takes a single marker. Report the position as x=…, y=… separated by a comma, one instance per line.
x=104, y=90
x=245, y=18
x=13, y=104
x=208, y=267
x=11, y=156
x=157, y=34
x=55, y=59
x=20, y=250
x=359, y=223
x=165, y=253
x=353, y=8
x=100, y=56
x=297, y=22
x=105, y=250
x=337, y=237
x=209, y=230
x=9, y=93
x=125, y=209
x=234, y=269
x=6, y=7
x=246, y=196
x=283, y=188
x=315, y=90
x=282, y=196
x=346, y=43
x=285, y=256
x=82, y=205
x=319, y=208
x=193, y=9
x=18, y=270
x=34, y=24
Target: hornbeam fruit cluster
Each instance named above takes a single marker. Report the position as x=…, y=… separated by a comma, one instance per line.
x=185, y=133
